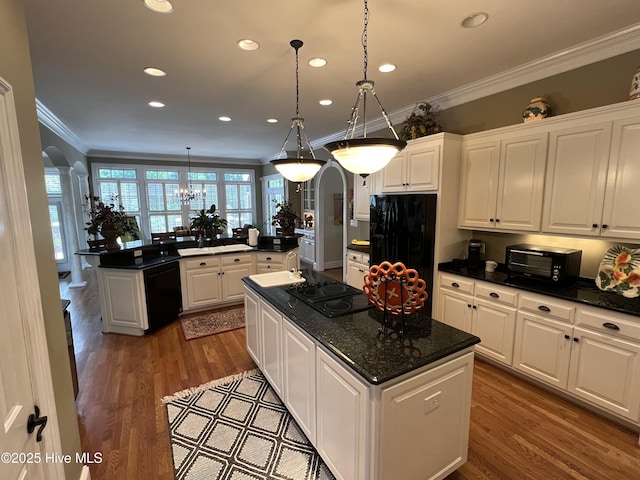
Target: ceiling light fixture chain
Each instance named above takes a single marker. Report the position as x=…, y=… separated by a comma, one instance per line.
x=364, y=38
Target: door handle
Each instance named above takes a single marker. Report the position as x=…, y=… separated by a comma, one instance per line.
x=35, y=420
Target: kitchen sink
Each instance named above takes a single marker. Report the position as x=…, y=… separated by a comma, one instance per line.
x=238, y=247
x=275, y=279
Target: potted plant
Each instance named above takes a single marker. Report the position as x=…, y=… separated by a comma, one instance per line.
x=285, y=217
x=421, y=122
x=208, y=222
x=108, y=220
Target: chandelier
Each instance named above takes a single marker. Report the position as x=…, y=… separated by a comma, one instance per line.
x=191, y=193
x=365, y=155
x=298, y=169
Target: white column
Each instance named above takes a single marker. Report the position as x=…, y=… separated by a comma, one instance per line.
x=70, y=229
x=83, y=188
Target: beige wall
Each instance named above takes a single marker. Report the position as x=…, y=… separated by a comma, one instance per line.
x=15, y=67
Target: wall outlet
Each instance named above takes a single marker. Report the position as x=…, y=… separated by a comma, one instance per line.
x=432, y=402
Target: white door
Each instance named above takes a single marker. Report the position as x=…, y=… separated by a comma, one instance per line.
x=273, y=188
x=22, y=456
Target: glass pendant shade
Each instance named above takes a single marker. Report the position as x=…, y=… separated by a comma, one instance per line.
x=365, y=155
x=298, y=169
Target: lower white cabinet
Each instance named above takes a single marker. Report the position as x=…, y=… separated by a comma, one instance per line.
x=425, y=422
x=122, y=301
x=414, y=428
x=357, y=268
x=276, y=261
x=484, y=309
x=212, y=280
x=342, y=417
x=299, y=378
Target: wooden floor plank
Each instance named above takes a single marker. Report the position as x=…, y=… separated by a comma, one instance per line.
x=518, y=431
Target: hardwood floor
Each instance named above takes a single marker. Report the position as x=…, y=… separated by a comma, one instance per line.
x=518, y=431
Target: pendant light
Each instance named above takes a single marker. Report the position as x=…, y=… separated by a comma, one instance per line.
x=190, y=194
x=365, y=155
x=298, y=169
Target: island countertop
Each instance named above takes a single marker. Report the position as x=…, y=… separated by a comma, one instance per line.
x=355, y=338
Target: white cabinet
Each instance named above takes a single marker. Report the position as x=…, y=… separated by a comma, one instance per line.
x=357, y=268
x=484, y=309
x=362, y=191
x=425, y=423
x=270, y=328
x=251, y=324
x=602, y=158
x=277, y=261
x=212, y=280
x=576, y=179
x=122, y=301
x=309, y=195
x=307, y=245
x=414, y=169
x=342, y=419
x=299, y=378
x=605, y=361
x=502, y=182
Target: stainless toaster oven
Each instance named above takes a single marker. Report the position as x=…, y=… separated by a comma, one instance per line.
x=552, y=264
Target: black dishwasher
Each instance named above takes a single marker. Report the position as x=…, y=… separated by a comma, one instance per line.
x=164, y=297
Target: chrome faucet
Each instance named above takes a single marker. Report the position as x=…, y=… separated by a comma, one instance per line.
x=296, y=273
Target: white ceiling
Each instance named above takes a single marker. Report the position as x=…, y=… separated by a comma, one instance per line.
x=88, y=58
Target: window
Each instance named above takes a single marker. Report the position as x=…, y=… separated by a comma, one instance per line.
x=150, y=194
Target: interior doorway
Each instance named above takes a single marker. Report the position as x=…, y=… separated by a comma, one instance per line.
x=331, y=219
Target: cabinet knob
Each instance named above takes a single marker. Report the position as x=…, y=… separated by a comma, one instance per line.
x=491, y=220
x=268, y=258
x=595, y=225
x=604, y=225
x=497, y=220
x=474, y=307
x=610, y=325
x=576, y=339
x=567, y=337
x=469, y=305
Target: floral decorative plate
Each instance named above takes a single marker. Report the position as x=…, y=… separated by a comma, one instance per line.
x=619, y=271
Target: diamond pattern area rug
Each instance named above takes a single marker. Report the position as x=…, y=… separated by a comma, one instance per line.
x=211, y=322
x=236, y=428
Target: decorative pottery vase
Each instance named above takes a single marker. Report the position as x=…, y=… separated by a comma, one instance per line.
x=537, y=110
x=110, y=234
x=634, y=92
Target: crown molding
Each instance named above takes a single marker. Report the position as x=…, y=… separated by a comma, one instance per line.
x=47, y=118
x=102, y=155
x=595, y=50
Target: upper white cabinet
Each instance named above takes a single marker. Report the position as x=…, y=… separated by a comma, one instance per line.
x=416, y=168
x=502, y=182
x=576, y=179
x=309, y=195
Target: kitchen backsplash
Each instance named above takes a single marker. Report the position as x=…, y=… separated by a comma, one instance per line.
x=361, y=232
x=592, y=249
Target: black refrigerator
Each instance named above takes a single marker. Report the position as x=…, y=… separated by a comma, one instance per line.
x=402, y=229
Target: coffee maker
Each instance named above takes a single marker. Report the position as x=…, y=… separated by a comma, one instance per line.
x=475, y=254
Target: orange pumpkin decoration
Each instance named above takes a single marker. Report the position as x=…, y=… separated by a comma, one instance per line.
x=395, y=288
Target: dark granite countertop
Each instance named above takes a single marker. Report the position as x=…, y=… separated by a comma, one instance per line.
x=583, y=290
x=356, y=340
x=359, y=248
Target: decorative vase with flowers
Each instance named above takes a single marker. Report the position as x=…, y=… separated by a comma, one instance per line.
x=285, y=217
x=108, y=220
x=422, y=121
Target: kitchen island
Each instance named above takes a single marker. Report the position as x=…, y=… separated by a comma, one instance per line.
x=375, y=404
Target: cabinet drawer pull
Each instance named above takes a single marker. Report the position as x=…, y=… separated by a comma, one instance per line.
x=202, y=264
x=494, y=295
x=544, y=308
x=455, y=285
x=610, y=325
x=236, y=259
x=268, y=258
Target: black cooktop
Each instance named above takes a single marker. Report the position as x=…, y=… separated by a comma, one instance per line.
x=331, y=298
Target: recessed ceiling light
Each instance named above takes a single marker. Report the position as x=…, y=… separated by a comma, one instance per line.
x=325, y=102
x=317, y=62
x=386, y=67
x=248, y=44
x=160, y=6
x=156, y=104
x=475, y=20
x=224, y=119
x=154, y=72
x=272, y=120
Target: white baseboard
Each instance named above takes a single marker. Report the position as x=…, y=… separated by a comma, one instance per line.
x=334, y=264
